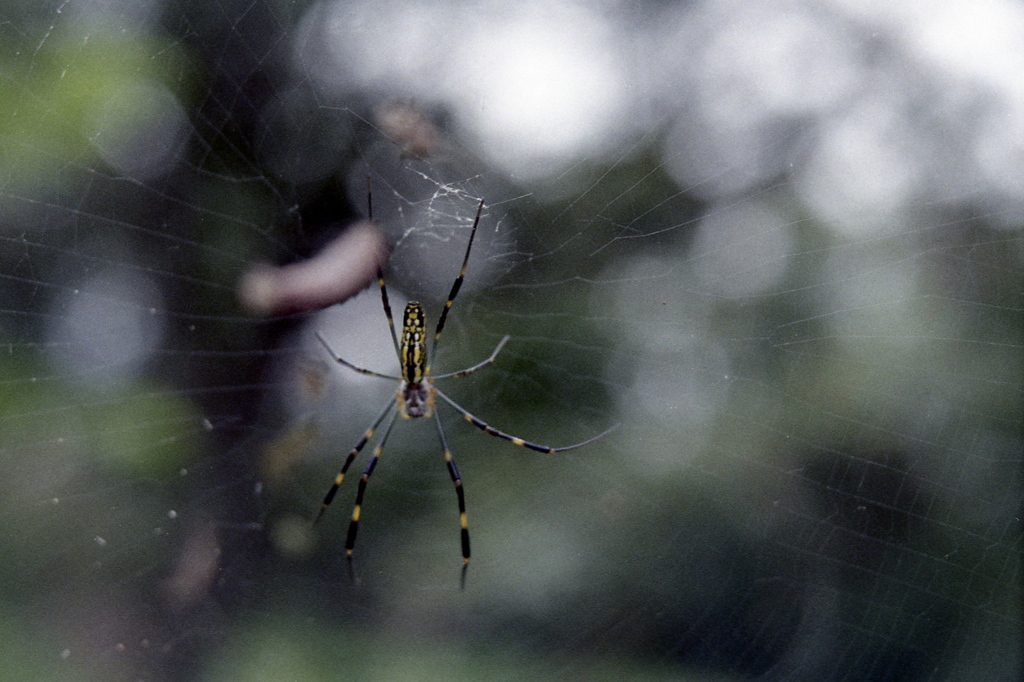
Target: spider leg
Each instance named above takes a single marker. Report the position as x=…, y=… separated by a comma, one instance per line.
x=387, y=306
x=353, y=526
x=343, y=361
x=489, y=361
x=456, y=285
x=329, y=497
x=487, y=428
x=380, y=275
x=453, y=471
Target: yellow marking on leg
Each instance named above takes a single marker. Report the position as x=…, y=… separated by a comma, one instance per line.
x=518, y=441
x=338, y=479
x=355, y=513
x=462, y=520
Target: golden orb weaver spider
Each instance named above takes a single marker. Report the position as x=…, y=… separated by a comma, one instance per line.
x=416, y=397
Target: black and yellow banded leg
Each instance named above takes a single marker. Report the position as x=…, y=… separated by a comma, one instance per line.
x=387, y=306
x=380, y=272
x=353, y=526
x=488, y=429
x=329, y=497
x=456, y=286
x=453, y=471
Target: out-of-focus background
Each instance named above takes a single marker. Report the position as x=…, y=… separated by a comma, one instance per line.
x=780, y=243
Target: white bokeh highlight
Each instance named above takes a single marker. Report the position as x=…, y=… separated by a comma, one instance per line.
x=138, y=129
x=108, y=328
x=742, y=250
x=864, y=171
x=544, y=95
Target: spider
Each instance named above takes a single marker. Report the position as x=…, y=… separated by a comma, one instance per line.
x=416, y=397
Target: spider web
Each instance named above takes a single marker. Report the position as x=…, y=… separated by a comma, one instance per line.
x=781, y=245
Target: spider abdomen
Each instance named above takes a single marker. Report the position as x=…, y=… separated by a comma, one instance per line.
x=413, y=349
